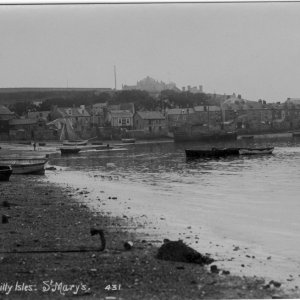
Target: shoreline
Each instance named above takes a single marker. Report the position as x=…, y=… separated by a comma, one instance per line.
x=236, y=255
x=49, y=217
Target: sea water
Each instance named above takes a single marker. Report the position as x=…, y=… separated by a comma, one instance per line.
x=244, y=211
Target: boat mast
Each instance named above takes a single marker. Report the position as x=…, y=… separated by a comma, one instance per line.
x=115, y=74
x=208, y=120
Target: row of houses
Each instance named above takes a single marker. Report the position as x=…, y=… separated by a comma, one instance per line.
x=86, y=122
x=114, y=121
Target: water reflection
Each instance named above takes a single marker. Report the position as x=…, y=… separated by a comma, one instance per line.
x=244, y=198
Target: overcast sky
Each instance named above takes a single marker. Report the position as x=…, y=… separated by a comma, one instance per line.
x=251, y=49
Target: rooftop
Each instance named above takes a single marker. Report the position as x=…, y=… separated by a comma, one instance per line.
x=151, y=115
x=5, y=111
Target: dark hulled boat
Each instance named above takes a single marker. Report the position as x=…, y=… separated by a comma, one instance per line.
x=224, y=152
x=296, y=134
x=128, y=141
x=211, y=153
x=5, y=172
x=256, y=151
x=69, y=150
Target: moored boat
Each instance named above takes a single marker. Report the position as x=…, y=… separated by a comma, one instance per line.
x=246, y=137
x=128, y=141
x=211, y=153
x=5, y=172
x=75, y=143
x=25, y=165
x=69, y=150
x=296, y=134
x=255, y=151
x=224, y=152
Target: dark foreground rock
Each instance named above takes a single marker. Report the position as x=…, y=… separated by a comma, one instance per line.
x=179, y=251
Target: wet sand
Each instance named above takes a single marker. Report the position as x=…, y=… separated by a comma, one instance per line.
x=53, y=227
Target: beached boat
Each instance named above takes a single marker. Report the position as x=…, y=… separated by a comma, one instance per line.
x=246, y=137
x=256, y=151
x=211, y=153
x=128, y=141
x=5, y=172
x=25, y=165
x=97, y=143
x=223, y=152
x=296, y=134
x=75, y=143
x=69, y=150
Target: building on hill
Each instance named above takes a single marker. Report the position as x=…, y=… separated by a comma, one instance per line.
x=193, y=90
x=151, y=85
x=293, y=102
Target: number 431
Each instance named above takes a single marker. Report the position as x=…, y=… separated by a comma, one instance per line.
x=113, y=287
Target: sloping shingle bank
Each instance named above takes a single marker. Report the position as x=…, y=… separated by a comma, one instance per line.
x=52, y=233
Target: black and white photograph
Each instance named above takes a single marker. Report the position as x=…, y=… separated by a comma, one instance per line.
x=150, y=150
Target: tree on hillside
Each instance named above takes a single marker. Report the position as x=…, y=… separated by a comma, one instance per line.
x=21, y=108
x=141, y=99
x=186, y=99
x=76, y=99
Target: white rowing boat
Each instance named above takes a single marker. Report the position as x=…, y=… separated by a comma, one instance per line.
x=26, y=165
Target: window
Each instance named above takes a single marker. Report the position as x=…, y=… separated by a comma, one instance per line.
x=128, y=121
x=120, y=121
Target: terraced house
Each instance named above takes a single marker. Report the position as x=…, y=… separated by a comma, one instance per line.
x=151, y=122
x=79, y=116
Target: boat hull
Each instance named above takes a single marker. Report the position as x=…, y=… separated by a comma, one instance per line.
x=26, y=166
x=5, y=172
x=75, y=143
x=246, y=137
x=256, y=151
x=66, y=151
x=128, y=141
x=211, y=153
x=296, y=134
x=218, y=153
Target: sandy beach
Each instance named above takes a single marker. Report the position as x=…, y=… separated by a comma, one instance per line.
x=47, y=252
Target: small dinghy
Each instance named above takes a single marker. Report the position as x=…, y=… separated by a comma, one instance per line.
x=69, y=150
x=128, y=141
x=25, y=165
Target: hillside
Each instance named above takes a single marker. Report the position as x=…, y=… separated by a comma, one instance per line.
x=9, y=96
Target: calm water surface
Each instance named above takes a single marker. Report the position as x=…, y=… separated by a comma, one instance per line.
x=252, y=202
